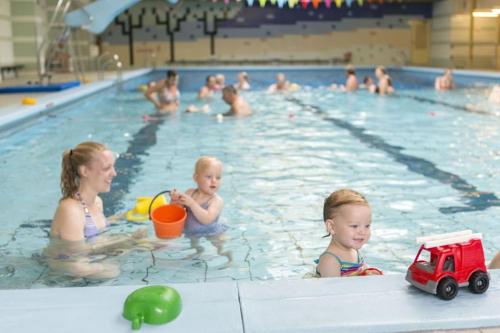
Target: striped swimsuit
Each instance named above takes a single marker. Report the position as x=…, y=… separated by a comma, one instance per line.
x=90, y=229
x=346, y=268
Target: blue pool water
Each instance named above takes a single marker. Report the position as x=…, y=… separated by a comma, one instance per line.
x=425, y=163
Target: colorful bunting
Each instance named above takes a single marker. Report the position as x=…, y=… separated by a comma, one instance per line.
x=304, y=3
x=281, y=3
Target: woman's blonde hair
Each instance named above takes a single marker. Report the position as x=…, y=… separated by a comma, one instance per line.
x=204, y=162
x=72, y=159
x=340, y=198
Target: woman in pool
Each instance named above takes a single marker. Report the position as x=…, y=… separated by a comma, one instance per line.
x=384, y=82
x=444, y=82
x=87, y=170
x=164, y=94
x=351, y=81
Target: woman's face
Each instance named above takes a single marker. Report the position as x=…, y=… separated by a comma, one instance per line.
x=172, y=80
x=101, y=171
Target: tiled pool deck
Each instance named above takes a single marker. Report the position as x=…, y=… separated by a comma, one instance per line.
x=358, y=304
x=366, y=304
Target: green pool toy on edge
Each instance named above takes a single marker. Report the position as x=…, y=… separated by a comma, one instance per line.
x=152, y=305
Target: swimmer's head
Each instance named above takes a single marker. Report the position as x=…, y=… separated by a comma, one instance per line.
x=228, y=93
x=220, y=79
x=243, y=76
x=208, y=174
x=210, y=81
x=380, y=71
x=339, y=198
x=350, y=70
x=345, y=205
x=91, y=162
x=172, y=77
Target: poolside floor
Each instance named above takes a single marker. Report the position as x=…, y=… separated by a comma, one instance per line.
x=358, y=304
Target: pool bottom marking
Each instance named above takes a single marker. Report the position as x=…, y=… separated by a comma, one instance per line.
x=475, y=200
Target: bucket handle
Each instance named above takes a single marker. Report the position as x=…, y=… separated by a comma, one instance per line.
x=151, y=204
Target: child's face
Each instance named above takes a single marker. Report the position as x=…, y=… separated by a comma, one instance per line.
x=209, y=179
x=350, y=227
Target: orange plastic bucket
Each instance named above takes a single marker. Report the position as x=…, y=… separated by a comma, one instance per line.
x=168, y=220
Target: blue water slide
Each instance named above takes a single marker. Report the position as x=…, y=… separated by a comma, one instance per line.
x=95, y=17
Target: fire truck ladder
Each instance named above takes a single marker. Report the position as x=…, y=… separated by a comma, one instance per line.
x=448, y=238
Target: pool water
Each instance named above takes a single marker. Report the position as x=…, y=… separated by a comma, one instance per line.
x=425, y=163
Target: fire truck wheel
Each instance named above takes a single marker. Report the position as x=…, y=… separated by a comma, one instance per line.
x=479, y=282
x=447, y=288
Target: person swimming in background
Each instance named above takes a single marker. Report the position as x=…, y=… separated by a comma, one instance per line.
x=384, y=81
x=351, y=83
x=208, y=89
x=347, y=217
x=369, y=85
x=444, y=82
x=239, y=107
x=243, y=83
x=495, y=262
x=164, y=94
x=494, y=96
x=87, y=170
x=282, y=85
x=220, y=82
x=204, y=205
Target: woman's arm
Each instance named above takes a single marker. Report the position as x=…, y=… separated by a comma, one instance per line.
x=69, y=221
x=154, y=89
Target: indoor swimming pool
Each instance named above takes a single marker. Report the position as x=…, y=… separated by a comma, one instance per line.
x=426, y=161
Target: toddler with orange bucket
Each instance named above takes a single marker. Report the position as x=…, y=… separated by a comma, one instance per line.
x=347, y=217
x=204, y=205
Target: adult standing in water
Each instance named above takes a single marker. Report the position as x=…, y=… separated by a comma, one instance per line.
x=239, y=107
x=164, y=94
x=384, y=86
x=87, y=170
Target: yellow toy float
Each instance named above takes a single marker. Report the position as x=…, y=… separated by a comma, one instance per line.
x=140, y=211
x=28, y=101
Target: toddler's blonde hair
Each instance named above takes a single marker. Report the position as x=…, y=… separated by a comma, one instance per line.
x=340, y=198
x=204, y=162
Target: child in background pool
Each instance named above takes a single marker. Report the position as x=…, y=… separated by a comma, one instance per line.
x=347, y=217
x=204, y=205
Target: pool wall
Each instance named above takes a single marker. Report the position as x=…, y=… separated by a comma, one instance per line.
x=356, y=304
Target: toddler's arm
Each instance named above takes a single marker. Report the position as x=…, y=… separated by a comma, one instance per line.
x=204, y=216
x=328, y=266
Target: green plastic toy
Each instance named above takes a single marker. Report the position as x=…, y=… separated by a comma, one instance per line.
x=152, y=305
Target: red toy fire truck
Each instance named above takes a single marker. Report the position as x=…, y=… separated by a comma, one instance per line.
x=448, y=261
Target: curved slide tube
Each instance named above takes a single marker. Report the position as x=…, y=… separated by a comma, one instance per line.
x=95, y=17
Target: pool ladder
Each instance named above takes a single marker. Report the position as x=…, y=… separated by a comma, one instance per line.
x=50, y=46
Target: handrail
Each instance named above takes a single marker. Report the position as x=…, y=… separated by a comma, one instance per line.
x=112, y=59
x=43, y=54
